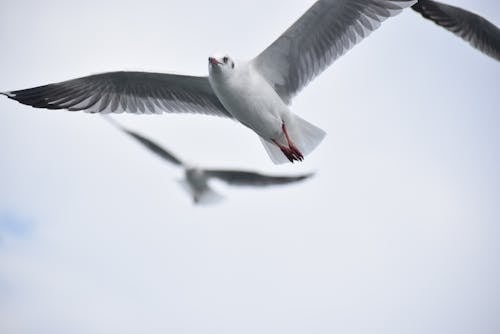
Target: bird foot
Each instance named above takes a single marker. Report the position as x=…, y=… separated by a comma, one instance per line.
x=292, y=153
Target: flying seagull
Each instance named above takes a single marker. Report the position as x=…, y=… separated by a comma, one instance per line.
x=256, y=93
x=196, y=179
x=479, y=32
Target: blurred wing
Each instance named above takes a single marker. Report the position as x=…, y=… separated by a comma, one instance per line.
x=134, y=92
x=244, y=178
x=154, y=147
x=320, y=36
x=149, y=144
x=479, y=32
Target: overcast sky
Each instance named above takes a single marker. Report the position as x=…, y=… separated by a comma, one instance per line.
x=397, y=233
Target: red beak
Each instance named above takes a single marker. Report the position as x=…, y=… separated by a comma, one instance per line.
x=213, y=61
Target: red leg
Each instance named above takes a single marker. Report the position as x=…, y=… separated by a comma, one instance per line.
x=286, y=151
x=291, y=145
x=291, y=152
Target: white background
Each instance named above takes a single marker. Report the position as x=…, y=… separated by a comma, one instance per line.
x=397, y=233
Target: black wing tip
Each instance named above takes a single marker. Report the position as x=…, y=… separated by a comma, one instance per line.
x=16, y=96
x=308, y=175
x=418, y=4
x=145, y=141
x=114, y=122
x=304, y=177
x=10, y=95
x=122, y=128
x=423, y=7
x=291, y=178
x=284, y=180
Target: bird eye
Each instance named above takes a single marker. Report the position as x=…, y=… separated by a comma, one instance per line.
x=225, y=59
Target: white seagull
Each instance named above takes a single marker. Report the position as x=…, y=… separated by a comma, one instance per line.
x=257, y=92
x=479, y=32
x=196, y=179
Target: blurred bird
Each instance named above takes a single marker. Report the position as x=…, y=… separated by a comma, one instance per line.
x=196, y=179
x=479, y=32
x=257, y=92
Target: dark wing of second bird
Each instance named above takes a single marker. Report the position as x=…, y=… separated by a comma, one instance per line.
x=154, y=147
x=232, y=177
x=245, y=178
x=479, y=32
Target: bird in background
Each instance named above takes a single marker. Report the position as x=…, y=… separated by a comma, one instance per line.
x=479, y=32
x=196, y=180
x=256, y=92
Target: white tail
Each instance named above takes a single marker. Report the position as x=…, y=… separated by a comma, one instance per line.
x=304, y=135
x=206, y=196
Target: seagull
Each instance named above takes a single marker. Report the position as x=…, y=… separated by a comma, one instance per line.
x=479, y=32
x=256, y=92
x=196, y=180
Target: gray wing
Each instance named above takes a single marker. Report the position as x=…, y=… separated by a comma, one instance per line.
x=154, y=147
x=479, y=32
x=246, y=178
x=148, y=143
x=134, y=92
x=324, y=33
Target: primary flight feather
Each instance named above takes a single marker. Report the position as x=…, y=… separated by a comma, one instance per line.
x=472, y=28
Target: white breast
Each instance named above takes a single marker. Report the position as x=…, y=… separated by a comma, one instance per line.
x=250, y=99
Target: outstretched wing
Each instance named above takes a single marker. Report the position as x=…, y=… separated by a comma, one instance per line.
x=148, y=143
x=134, y=92
x=245, y=178
x=479, y=32
x=324, y=33
x=154, y=147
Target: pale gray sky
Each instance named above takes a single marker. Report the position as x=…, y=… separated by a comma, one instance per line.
x=397, y=233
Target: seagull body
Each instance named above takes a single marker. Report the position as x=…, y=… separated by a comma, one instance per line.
x=196, y=179
x=257, y=93
x=249, y=98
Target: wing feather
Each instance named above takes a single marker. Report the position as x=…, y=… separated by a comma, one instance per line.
x=324, y=33
x=133, y=92
x=474, y=29
x=247, y=178
x=147, y=143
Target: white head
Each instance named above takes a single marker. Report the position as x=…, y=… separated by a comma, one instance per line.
x=221, y=65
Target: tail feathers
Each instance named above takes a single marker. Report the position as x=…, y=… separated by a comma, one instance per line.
x=304, y=135
x=274, y=152
x=206, y=196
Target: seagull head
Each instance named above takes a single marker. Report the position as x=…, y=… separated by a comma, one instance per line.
x=220, y=64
